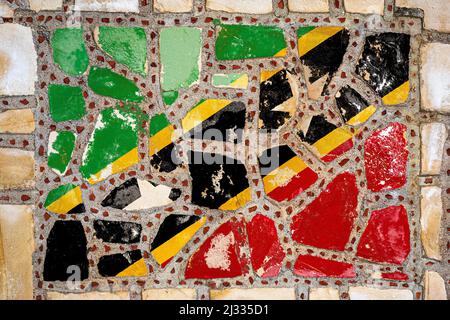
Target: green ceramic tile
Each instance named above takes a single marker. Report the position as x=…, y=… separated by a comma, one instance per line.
x=66, y=102
x=69, y=51
x=60, y=148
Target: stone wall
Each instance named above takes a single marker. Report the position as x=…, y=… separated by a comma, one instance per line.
x=356, y=95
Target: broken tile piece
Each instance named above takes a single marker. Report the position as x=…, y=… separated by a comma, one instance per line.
x=110, y=84
x=162, y=149
x=434, y=286
x=367, y=293
x=60, y=148
x=221, y=255
x=214, y=119
x=40, y=5
x=65, y=102
x=136, y=194
x=180, y=54
x=117, y=231
x=16, y=169
x=128, y=264
x=17, y=121
x=69, y=51
x=236, y=42
x=285, y=175
x=6, y=11
x=239, y=6
x=435, y=15
x=324, y=138
x=321, y=51
x=277, y=98
x=323, y=294
x=66, y=253
x=169, y=294
x=354, y=109
x=435, y=76
x=231, y=80
x=433, y=137
x=112, y=146
x=430, y=221
x=218, y=182
x=173, y=234
x=168, y=6
x=365, y=6
x=386, y=157
x=126, y=45
x=328, y=220
x=266, y=251
x=107, y=5
x=386, y=237
x=18, y=66
x=253, y=294
x=315, y=267
x=65, y=199
x=384, y=66
x=308, y=5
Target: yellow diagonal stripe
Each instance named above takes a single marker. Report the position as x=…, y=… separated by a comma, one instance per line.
x=332, y=140
x=67, y=202
x=172, y=246
x=241, y=82
x=363, y=116
x=281, y=53
x=125, y=161
x=267, y=74
x=283, y=174
x=315, y=37
x=398, y=95
x=237, y=201
x=137, y=269
x=162, y=139
x=202, y=112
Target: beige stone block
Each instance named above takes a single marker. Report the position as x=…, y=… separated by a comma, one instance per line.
x=430, y=221
x=6, y=11
x=16, y=250
x=433, y=137
x=241, y=6
x=435, y=77
x=107, y=5
x=366, y=293
x=434, y=286
x=17, y=121
x=169, y=294
x=122, y=295
x=308, y=5
x=323, y=294
x=39, y=5
x=173, y=5
x=18, y=67
x=365, y=6
x=254, y=294
x=16, y=169
x=437, y=14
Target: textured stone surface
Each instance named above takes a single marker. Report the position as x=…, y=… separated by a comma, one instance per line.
x=88, y=296
x=365, y=6
x=366, y=293
x=169, y=294
x=108, y=5
x=434, y=286
x=16, y=169
x=173, y=5
x=323, y=294
x=433, y=137
x=435, y=76
x=5, y=10
x=437, y=15
x=18, y=67
x=17, y=121
x=430, y=221
x=16, y=248
x=254, y=294
x=308, y=5
x=243, y=6
x=38, y=5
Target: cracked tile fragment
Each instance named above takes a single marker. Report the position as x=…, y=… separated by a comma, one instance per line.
x=65, y=199
x=354, y=109
x=128, y=264
x=230, y=80
x=173, y=234
x=316, y=267
x=60, y=148
x=117, y=231
x=285, y=175
x=69, y=51
x=66, y=102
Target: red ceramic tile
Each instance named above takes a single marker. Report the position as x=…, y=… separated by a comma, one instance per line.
x=310, y=266
x=328, y=220
x=394, y=276
x=386, y=238
x=385, y=158
x=220, y=256
x=265, y=249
